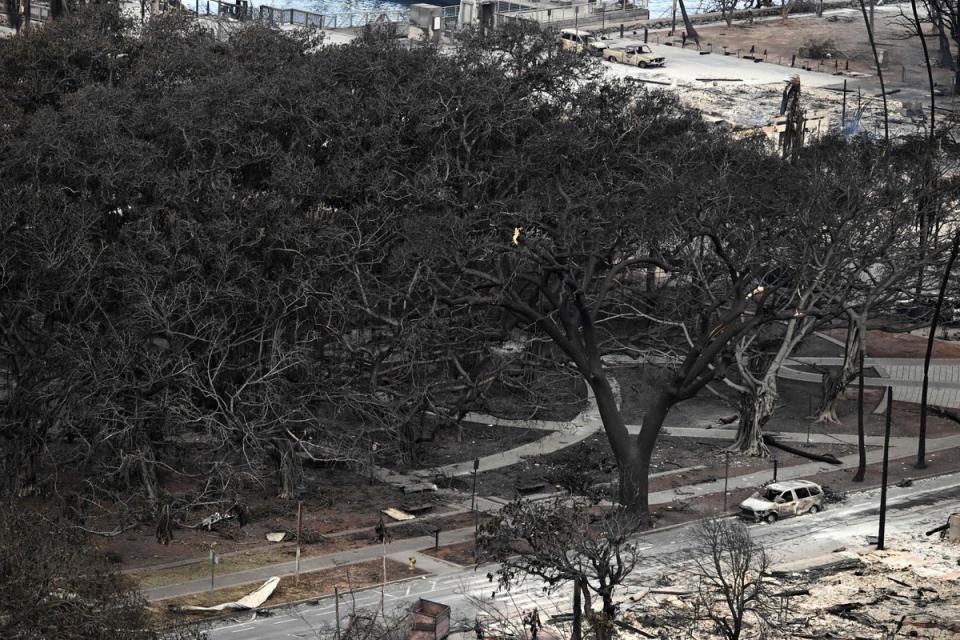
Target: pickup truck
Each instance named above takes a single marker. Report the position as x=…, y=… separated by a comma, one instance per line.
x=640, y=55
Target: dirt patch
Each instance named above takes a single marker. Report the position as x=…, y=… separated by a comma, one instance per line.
x=842, y=35
x=314, y=584
x=548, y=395
x=883, y=344
x=334, y=500
x=799, y=400
x=462, y=553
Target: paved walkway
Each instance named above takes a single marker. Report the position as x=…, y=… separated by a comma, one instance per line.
x=905, y=375
x=560, y=436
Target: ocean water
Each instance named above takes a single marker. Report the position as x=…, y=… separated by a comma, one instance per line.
x=658, y=8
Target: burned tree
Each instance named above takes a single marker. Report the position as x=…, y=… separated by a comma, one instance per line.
x=729, y=568
x=564, y=543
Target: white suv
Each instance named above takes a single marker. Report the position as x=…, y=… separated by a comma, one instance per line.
x=782, y=500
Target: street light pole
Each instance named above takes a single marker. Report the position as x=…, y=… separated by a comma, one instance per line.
x=726, y=476
x=473, y=496
x=861, y=446
x=473, y=507
x=886, y=461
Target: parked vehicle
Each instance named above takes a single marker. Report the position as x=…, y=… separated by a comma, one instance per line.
x=579, y=40
x=640, y=55
x=782, y=500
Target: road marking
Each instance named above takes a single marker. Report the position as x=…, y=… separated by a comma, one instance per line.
x=284, y=621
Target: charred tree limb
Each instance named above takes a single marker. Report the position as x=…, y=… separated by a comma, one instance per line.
x=771, y=442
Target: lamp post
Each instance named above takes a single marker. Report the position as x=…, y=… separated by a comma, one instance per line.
x=886, y=460
x=726, y=476
x=473, y=496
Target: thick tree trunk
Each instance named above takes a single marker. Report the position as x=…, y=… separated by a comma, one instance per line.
x=755, y=409
x=757, y=405
x=577, y=614
x=634, y=476
x=835, y=383
x=289, y=470
x=688, y=25
x=946, y=56
x=148, y=475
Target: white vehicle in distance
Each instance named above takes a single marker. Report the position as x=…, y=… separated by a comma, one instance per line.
x=580, y=40
x=639, y=56
x=782, y=500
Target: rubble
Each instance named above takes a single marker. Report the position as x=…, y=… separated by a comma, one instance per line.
x=911, y=589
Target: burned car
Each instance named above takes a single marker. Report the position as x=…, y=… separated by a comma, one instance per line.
x=782, y=500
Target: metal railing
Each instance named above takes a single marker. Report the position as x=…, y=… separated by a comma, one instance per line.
x=239, y=9
x=330, y=20
x=570, y=14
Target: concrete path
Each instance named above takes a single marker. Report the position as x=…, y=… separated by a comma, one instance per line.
x=560, y=436
x=905, y=375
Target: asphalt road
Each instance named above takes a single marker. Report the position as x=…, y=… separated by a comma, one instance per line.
x=918, y=508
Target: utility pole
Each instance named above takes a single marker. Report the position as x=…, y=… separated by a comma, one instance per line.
x=336, y=605
x=673, y=29
x=934, y=323
x=886, y=462
x=861, y=446
x=299, y=537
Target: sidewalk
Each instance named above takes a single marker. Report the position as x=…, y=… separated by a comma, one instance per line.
x=900, y=448
x=401, y=549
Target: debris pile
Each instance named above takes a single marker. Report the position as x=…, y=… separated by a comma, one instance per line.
x=911, y=589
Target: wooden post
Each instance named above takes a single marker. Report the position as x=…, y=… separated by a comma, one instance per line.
x=673, y=29
x=843, y=112
x=886, y=462
x=213, y=563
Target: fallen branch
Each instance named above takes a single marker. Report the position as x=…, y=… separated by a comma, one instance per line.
x=829, y=459
x=109, y=534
